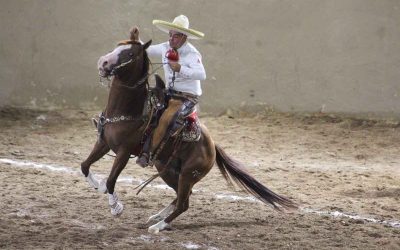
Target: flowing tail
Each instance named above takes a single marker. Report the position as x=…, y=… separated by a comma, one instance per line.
x=234, y=170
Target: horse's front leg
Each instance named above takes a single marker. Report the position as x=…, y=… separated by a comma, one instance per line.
x=120, y=162
x=98, y=151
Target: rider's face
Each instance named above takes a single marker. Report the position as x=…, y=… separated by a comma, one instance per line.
x=176, y=39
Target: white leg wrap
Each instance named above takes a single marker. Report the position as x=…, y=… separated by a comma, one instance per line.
x=115, y=205
x=162, y=214
x=102, y=186
x=155, y=229
x=93, y=182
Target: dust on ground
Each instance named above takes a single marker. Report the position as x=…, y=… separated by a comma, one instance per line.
x=329, y=165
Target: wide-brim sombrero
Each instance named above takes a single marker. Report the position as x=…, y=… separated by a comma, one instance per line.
x=181, y=25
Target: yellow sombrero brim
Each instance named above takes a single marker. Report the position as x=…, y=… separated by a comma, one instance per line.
x=167, y=26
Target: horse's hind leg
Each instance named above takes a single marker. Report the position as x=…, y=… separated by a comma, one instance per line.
x=163, y=213
x=171, y=178
x=184, y=190
x=98, y=151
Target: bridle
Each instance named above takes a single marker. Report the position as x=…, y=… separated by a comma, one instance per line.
x=122, y=65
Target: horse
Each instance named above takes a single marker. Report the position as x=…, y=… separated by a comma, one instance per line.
x=123, y=124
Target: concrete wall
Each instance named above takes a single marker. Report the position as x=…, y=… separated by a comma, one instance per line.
x=292, y=55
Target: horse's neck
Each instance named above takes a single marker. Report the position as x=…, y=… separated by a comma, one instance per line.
x=125, y=101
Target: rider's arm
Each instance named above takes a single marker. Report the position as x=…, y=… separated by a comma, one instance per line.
x=192, y=67
x=156, y=50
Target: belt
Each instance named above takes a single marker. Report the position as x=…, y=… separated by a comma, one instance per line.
x=184, y=94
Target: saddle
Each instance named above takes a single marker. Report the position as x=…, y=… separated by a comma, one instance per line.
x=184, y=124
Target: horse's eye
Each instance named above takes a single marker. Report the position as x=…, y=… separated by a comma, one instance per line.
x=131, y=54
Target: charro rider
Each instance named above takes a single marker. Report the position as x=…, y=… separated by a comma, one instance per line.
x=183, y=71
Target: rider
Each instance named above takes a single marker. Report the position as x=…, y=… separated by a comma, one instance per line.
x=183, y=71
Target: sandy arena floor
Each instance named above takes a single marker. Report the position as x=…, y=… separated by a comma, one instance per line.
x=345, y=173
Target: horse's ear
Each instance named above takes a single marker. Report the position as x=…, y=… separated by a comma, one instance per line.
x=159, y=82
x=146, y=45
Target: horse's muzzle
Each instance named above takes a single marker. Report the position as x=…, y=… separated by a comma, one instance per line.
x=104, y=72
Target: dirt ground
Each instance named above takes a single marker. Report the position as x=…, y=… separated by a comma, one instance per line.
x=344, y=173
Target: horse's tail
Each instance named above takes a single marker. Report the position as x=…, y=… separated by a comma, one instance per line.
x=234, y=170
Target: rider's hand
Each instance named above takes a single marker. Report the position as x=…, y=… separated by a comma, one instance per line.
x=176, y=67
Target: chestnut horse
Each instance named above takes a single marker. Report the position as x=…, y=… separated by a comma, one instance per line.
x=124, y=124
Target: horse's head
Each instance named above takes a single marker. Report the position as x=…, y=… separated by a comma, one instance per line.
x=128, y=60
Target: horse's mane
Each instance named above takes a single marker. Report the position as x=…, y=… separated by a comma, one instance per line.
x=126, y=42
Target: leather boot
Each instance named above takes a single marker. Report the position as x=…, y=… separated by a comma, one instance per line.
x=143, y=160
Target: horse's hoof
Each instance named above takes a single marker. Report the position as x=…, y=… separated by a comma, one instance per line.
x=153, y=230
x=102, y=186
x=117, y=209
x=156, y=228
x=115, y=205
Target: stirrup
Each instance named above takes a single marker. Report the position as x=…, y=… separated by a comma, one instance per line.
x=143, y=160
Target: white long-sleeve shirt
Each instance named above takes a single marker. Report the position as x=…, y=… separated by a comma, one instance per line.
x=192, y=70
